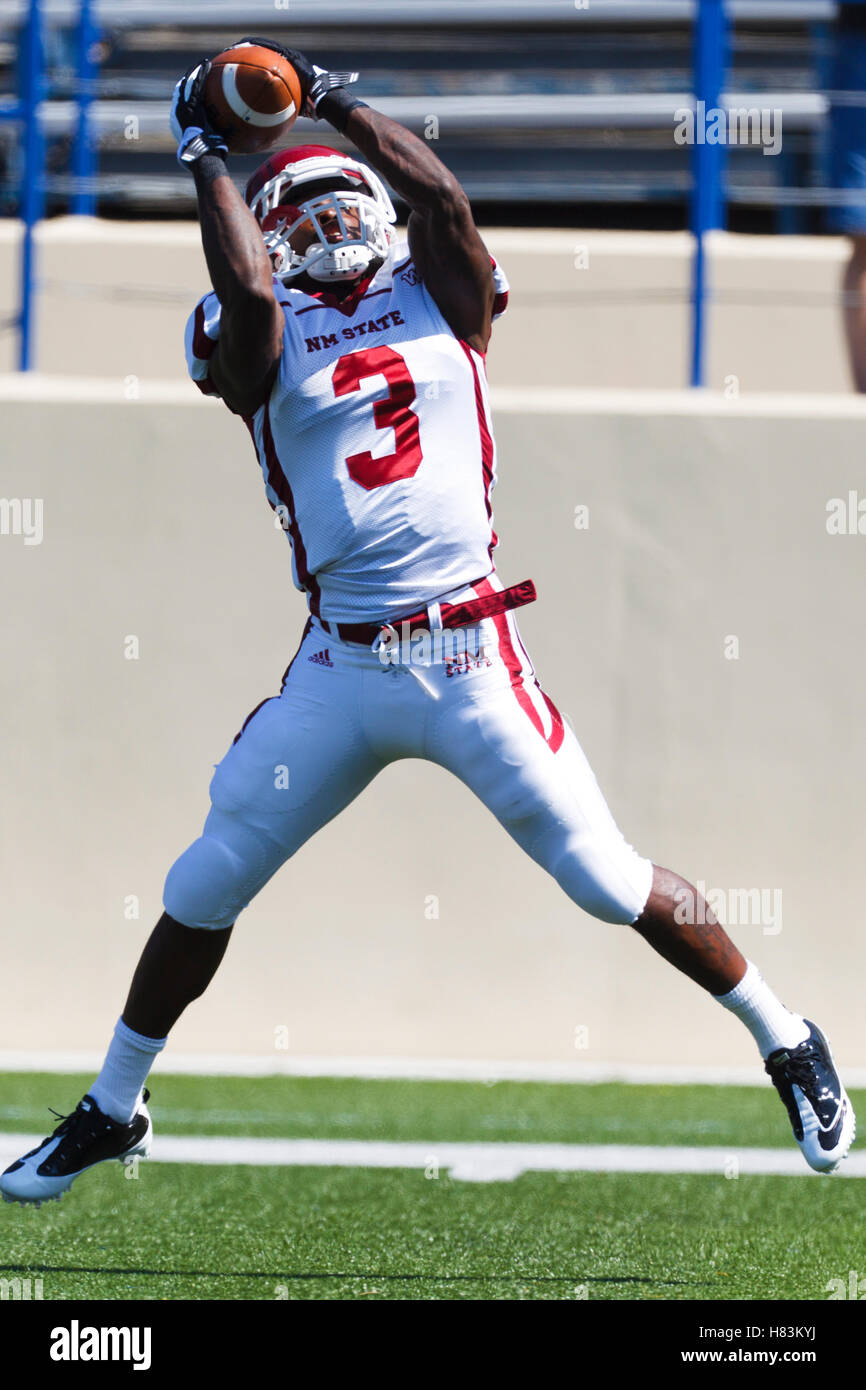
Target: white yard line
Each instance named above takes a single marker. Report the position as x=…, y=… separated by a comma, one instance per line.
x=403, y=1068
x=469, y=1162
x=410, y=1069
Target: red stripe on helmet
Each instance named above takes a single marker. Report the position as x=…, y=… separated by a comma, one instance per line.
x=278, y=162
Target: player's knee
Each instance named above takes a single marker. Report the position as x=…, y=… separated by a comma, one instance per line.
x=610, y=881
x=201, y=886
x=215, y=879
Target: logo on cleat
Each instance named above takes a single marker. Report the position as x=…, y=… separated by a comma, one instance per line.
x=829, y=1135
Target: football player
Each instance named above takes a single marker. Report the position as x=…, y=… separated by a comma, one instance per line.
x=357, y=361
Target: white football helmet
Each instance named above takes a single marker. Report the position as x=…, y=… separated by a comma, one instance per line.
x=300, y=185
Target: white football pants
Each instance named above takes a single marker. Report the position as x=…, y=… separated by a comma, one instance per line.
x=471, y=704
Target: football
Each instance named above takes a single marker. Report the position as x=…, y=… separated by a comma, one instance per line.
x=252, y=97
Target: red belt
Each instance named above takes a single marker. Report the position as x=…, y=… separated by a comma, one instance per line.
x=452, y=615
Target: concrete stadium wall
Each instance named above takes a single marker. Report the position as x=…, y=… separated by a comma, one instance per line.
x=707, y=523
x=588, y=309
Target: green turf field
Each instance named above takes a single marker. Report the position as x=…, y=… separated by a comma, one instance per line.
x=182, y=1231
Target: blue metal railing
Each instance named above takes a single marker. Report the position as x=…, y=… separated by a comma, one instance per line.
x=26, y=111
x=32, y=177
x=707, y=204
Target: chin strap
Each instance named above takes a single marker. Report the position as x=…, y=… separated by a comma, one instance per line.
x=353, y=264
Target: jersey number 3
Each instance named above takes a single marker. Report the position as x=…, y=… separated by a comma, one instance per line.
x=392, y=412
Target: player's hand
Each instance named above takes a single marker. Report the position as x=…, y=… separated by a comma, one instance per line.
x=189, y=121
x=315, y=82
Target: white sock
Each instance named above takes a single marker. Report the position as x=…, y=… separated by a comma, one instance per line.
x=117, y=1089
x=767, y=1019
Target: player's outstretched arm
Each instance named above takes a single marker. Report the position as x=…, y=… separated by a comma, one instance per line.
x=247, y=355
x=447, y=250
x=246, y=358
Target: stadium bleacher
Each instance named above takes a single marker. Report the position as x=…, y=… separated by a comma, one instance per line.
x=541, y=103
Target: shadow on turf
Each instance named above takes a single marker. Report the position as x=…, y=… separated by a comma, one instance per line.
x=283, y=1278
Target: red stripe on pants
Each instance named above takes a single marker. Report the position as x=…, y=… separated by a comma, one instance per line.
x=513, y=665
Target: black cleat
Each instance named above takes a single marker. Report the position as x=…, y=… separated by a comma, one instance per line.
x=80, y=1141
x=821, y=1114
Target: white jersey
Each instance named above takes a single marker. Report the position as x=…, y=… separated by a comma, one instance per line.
x=376, y=444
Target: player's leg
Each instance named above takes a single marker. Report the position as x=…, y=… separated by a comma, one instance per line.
x=112, y=1120
x=501, y=735
x=300, y=758
x=175, y=967
x=678, y=923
